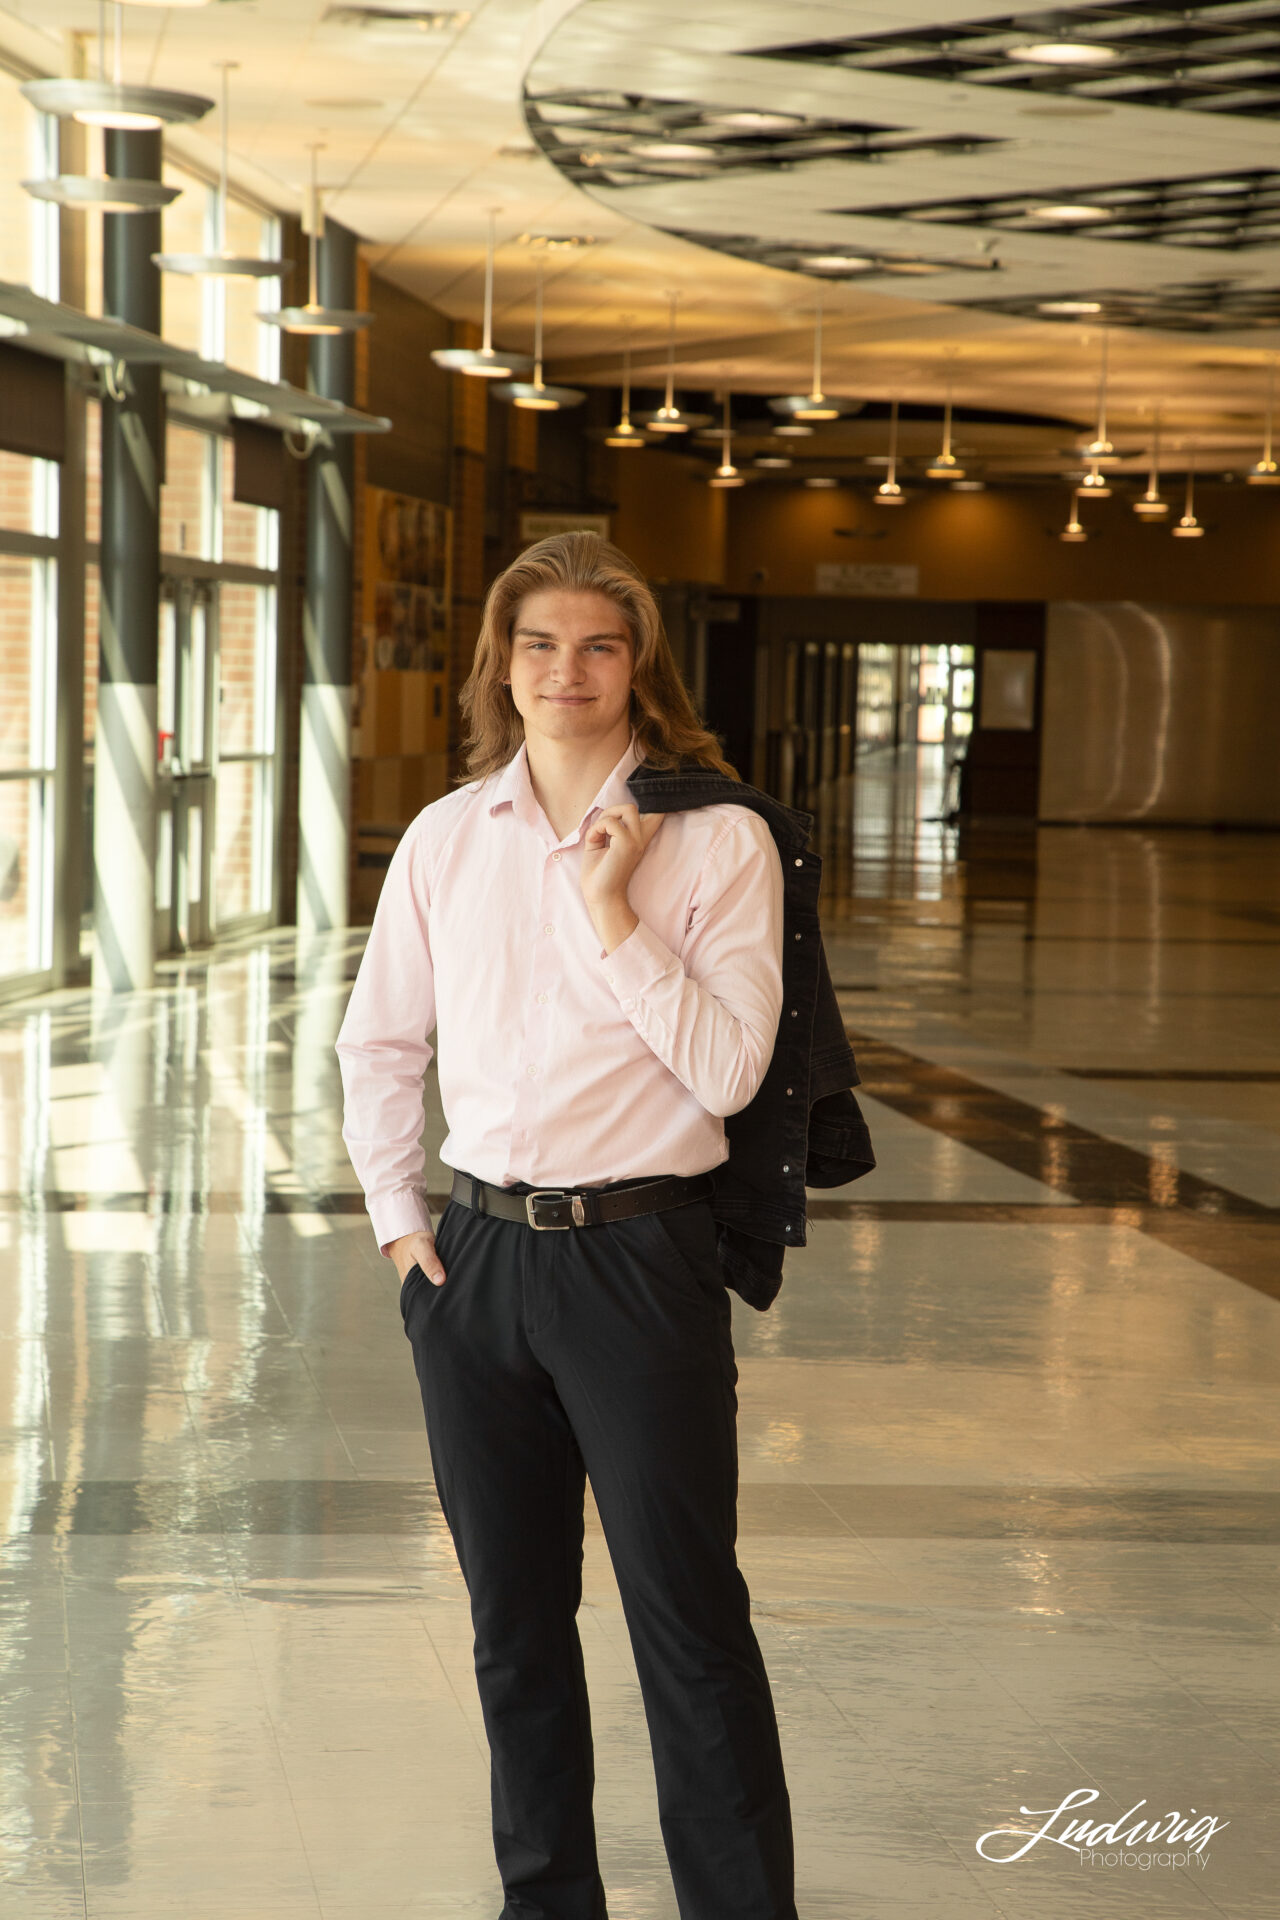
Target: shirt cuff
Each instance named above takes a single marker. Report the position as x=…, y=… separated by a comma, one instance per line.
x=637, y=964
x=395, y=1214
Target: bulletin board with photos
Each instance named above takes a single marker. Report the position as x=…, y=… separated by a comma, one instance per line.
x=401, y=691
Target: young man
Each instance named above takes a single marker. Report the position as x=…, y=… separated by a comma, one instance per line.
x=605, y=989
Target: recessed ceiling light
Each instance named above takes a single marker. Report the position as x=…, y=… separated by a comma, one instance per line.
x=670, y=150
x=823, y=480
x=793, y=430
x=773, y=460
x=1069, y=306
x=749, y=121
x=1063, y=53
x=1070, y=214
x=836, y=262
x=968, y=486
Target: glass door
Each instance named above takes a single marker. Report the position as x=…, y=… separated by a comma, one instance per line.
x=185, y=713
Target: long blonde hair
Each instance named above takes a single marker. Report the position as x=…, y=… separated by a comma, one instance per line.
x=666, y=724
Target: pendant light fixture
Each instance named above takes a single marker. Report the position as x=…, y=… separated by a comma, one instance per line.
x=726, y=474
x=1100, y=448
x=668, y=418
x=482, y=361
x=945, y=466
x=1151, y=506
x=889, y=493
x=814, y=405
x=221, y=263
x=1074, y=532
x=535, y=396
x=314, y=319
x=1265, y=472
x=625, y=434
x=110, y=103
x=1189, y=528
x=1095, y=485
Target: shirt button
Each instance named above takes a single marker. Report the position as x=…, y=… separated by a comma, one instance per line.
x=531, y=1071
x=548, y=928
x=555, y=856
x=542, y=998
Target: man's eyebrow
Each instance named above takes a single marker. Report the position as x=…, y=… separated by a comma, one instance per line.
x=537, y=633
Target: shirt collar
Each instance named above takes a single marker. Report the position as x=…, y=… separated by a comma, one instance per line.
x=513, y=787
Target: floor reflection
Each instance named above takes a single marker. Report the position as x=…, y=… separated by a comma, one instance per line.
x=1010, y=1491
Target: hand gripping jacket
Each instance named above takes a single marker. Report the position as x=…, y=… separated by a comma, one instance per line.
x=803, y=1127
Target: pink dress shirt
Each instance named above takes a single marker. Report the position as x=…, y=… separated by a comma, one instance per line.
x=558, y=1063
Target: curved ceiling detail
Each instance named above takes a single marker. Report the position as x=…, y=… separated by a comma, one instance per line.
x=1135, y=181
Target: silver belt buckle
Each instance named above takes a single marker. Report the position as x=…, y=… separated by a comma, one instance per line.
x=553, y=1226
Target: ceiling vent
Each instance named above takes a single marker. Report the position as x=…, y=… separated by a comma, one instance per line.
x=398, y=21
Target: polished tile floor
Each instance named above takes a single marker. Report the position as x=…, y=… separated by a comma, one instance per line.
x=1010, y=1504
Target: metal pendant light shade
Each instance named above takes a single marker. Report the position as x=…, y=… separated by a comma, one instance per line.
x=315, y=319
x=111, y=103
x=221, y=263
x=86, y=193
x=482, y=361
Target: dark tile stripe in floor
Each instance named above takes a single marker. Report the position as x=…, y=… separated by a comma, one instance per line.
x=1212, y=1516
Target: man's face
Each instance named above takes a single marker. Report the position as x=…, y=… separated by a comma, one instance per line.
x=570, y=664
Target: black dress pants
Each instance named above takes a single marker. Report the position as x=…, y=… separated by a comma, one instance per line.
x=603, y=1351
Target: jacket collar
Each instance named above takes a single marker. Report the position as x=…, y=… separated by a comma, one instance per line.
x=691, y=784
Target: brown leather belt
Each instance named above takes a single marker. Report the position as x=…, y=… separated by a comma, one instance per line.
x=556, y=1207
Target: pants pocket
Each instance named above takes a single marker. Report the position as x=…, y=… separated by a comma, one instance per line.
x=688, y=1235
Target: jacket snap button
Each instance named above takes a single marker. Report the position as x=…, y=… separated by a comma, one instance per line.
x=795, y=1012
x=785, y=1167
x=790, y=1089
x=799, y=936
x=799, y=863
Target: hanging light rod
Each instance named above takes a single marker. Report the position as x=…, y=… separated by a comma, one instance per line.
x=110, y=102
x=889, y=493
x=482, y=361
x=814, y=405
x=726, y=474
x=1074, y=531
x=1265, y=472
x=535, y=396
x=1151, y=506
x=625, y=434
x=315, y=319
x=1189, y=528
x=669, y=418
x=945, y=466
x=1100, y=448
x=222, y=263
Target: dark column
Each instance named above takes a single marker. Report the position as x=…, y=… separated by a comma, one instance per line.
x=124, y=830
x=324, y=760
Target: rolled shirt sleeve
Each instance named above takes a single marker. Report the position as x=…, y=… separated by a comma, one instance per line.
x=710, y=1013
x=383, y=1050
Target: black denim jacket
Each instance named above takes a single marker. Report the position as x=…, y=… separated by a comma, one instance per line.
x=803, y=1127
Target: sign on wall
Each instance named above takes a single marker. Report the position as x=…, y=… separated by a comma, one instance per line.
x=541, y=526
x=871, y=579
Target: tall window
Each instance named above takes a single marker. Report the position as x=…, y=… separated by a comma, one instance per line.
x=28, y=656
